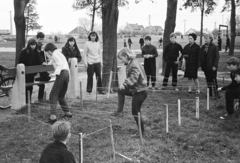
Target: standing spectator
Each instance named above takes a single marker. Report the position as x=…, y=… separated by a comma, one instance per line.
x=172, y=58
x=93, y=62
x=60, y=85
x=209, y=63
x=160, y=42
x=56, y=38
x=191, y=55
x=124, y=42
x=30, y=57
x=129, y=42
x=141, y=42
x=57, y=152
x=150, y=53
x=70, y=50
x=44, y=76
x=135, y=85
x=232, y=90
x=219, y=43
x=227, y=43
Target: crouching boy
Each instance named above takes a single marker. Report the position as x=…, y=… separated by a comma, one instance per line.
x=233, y=89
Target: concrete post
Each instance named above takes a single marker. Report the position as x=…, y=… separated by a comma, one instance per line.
x=73, y=88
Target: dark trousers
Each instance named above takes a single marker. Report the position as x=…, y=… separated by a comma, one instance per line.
x=170, y=66
x=29, y=90
x=58, y=92
x=41, y=91
x=211, y=77
x=220, y=47
x=150, y=70
x=137, y=100
x=94, y=68
x=230, y=95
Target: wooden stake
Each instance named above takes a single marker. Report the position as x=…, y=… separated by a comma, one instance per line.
x=80, y=148
x=166, y=118
x=112, y=140
x=179, y=112
x=109, y=84
x=140, y=129
x=197, y=107
x=208, y=99
x=96, y=88
x=29, y=106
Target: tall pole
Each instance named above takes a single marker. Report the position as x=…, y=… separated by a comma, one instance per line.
x=11, y=32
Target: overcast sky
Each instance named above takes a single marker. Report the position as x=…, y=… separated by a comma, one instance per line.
x=59, y=16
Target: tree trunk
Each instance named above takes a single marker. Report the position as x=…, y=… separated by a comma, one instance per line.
x=233, y=27
x=202, y=14
x=19, y=19
x=109, y=29
x=170, y=24
x=93, y=16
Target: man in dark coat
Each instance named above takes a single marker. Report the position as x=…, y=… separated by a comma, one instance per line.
x=141, y=42
x=219, y=43
x=209, y=57
x=129, y=42
x=227, y=43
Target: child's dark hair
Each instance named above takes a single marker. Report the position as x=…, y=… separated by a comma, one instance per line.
x=31, y=42
x=93, y=33
x=50, y=47
x=233, y=61
x=40, y=35
x=237, y=72
x=148, y=38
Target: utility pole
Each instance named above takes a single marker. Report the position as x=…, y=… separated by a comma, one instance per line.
x=10, y=22
x=184, y=26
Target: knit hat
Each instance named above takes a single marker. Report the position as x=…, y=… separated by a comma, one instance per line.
x=193, y=35
x=209, y=35
x=126, y=51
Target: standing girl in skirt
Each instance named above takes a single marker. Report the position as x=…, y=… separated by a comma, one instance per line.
x=60, y=85
x=191, y=55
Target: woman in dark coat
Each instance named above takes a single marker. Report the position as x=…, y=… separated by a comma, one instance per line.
x=30, y=57
x=70, y=50
x=191, y=55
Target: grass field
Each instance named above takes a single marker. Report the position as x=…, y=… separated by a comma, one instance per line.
x=207, y=139
x=204, y=140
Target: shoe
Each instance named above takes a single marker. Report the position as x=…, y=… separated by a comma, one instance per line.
x=176, y=89
x=117, y=114
x=189, y=91
x=198, y=92
x=102, y=92
x=68, y=114
x=226, y=116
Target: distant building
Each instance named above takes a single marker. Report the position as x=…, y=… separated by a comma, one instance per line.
x=78, y=31
x=4, y=32
x=154, y=29
x=191, y=30
x=133, y=27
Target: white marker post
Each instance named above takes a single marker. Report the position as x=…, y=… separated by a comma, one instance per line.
x=96, y=88
x=179, y=112
x=197, y=107
x=112, y=140
x=166, y=118
x=208, y=99
x=29, y=106
x=109, y=84
x=80, y=148
x=81, y=97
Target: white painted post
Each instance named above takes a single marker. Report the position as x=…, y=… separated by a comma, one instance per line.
x=81, y=97
x=112, y=140
x=140, y=129
x=166, y=118
x=208, y=99
x=45, y=96
x=18, y=99
x=197, y=107
x=80, y=148
x=29, y=106
x=96, y=88
x=179, y=112
x=72, y=91
x=109, y=84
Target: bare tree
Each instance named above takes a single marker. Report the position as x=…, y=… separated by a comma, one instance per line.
x=19, y=19
x=85, y=23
